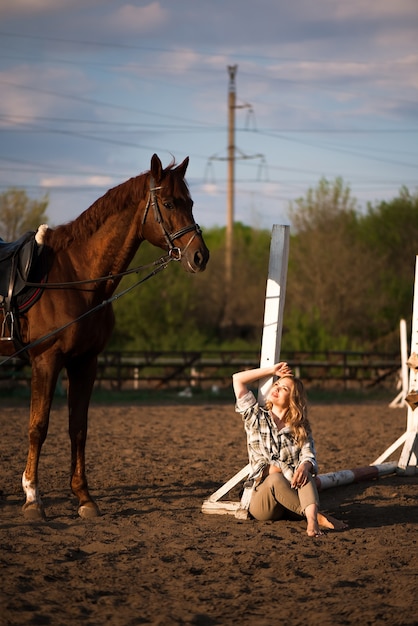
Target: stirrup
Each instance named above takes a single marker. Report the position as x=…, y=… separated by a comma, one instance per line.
x=7, y=315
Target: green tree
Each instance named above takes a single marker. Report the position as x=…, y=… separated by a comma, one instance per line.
x=19, y=213
x=331, y=273
x=350, y=280
x=246, y=301
x=390, y=231
x=179, y=311
x=160, y=313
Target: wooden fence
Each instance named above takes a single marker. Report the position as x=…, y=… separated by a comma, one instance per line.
x=164, y=369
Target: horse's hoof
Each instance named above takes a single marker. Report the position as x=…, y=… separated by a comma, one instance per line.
x=88, y=510
x=33, y=512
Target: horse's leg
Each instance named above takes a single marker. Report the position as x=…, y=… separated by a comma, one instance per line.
x=81, y=377
x=45, y=370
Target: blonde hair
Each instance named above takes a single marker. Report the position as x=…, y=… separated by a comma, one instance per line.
x=297, y=414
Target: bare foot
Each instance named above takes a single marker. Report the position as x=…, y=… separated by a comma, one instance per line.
x=313, y=529
x=315, y=533
x=326, y=521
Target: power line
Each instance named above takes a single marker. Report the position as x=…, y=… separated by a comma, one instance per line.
x=202, y=126
x=203, y=52
x=68, y=96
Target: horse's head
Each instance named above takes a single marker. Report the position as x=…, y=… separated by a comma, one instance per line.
x=168, y=218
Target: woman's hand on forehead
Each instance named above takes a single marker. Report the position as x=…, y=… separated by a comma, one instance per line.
x=282, y=369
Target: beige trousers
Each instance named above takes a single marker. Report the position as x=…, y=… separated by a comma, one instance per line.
x=274, y=498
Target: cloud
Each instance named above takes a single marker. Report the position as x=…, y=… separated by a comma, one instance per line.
x=137, y=19
x=51, y=182
x=373, y=10
x=210, y=189
x=26, y=7
x=27, y=94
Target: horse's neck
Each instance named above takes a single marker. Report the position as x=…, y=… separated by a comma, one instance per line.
x=117, y=244
x=108, y=251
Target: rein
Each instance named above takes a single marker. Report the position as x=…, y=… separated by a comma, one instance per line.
x=163, y=262
x=134, y=270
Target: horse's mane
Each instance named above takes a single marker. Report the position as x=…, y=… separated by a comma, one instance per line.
x=88, y=222
x=127, y=193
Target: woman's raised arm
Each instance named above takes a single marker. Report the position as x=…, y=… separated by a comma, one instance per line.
x=241, y=380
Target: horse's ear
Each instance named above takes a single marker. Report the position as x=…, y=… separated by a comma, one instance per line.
x=183, y=167
x=156, y=168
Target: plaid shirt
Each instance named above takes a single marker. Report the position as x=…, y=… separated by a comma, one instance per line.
x=267, y=445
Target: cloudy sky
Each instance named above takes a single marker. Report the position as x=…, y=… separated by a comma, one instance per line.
x=90, y=89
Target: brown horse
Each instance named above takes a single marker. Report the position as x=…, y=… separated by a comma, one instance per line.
x=155, y=206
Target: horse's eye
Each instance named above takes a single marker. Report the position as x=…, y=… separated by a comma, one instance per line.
x=168, y=205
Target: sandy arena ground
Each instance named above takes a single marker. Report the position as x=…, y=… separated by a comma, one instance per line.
x=154, y=558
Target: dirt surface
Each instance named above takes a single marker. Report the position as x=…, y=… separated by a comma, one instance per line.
x=154, y=558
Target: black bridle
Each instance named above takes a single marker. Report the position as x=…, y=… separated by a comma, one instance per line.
x=173, y=250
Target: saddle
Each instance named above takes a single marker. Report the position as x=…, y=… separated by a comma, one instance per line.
x=17, y=259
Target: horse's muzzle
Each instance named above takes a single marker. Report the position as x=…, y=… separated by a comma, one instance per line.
x=195, y=260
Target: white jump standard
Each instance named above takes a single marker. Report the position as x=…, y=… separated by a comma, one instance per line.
x=408, y=460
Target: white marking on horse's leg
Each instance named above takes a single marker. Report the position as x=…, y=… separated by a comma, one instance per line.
x=31, y=492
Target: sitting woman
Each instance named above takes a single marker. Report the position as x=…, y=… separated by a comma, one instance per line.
x=281, y=449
